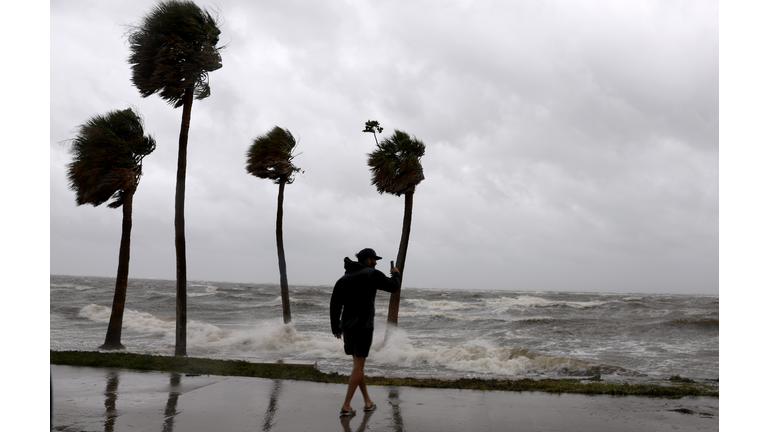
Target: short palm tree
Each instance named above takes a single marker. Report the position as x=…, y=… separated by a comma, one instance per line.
x=396, y=169
x=172, y=51
x=107, y=156
x=372, y=126
x=270, y=156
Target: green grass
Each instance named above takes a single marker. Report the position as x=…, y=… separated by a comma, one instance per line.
x=675, y=387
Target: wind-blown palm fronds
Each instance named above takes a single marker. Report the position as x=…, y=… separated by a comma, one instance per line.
x=174, y=45
x=396, y=169
x=108, y=152
x=270, y=156
x=172, y=51
x=396, y=164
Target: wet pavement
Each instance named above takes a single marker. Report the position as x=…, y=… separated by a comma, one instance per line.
x=110, y=399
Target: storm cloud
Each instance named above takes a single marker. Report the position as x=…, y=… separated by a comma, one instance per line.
x=571, y=146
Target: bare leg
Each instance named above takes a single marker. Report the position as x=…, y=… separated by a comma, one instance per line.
x=364, y=390
x=356, y=379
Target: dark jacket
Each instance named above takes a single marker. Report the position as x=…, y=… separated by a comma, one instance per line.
x=354, y=295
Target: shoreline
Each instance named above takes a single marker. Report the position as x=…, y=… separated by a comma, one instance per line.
x=674, y=387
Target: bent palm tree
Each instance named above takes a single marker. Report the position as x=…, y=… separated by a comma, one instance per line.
x=372, y=126
x=172, y=51
x=270, y=157
x=396, y=169
x=108, y=152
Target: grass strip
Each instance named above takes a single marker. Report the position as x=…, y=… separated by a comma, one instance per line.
x=205, y=366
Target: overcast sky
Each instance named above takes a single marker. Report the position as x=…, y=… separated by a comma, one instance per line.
x=570, y=146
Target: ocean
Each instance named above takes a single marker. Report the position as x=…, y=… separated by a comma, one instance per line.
x=441, y=332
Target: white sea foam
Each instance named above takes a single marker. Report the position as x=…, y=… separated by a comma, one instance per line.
x=95, y=312
x=197, y=333
x=303, y=302
x=276, y=301
x=529, y=301
x=405, y=312
x=264, y=337
x=276, y=339
x=134, y=320
x=202, y=294
x=479, y=356
x=209, y=290
x=272, y=339
x=441, y=304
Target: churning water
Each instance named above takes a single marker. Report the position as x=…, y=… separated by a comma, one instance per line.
x=443, y=333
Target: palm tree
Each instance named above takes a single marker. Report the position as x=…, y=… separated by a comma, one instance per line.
x=396, y=169
x=107, y=156
x=172, y=51
x=271, y=157
x=372, y=126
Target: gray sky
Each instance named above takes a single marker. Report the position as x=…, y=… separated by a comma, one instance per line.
x=570, y=145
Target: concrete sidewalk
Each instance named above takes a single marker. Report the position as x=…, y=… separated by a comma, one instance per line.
x=109, y=399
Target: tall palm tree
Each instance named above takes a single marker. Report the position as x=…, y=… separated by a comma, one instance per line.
x=396, y=169
x=271, y=157
x=107, y=155
x=172, y=51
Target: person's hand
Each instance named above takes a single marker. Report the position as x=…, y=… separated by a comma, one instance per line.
x=394, y=270
x=338, y=335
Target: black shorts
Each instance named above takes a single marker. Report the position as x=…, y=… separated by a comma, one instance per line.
x=357, y=342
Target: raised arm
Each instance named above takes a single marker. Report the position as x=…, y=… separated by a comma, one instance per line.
x=388, y=284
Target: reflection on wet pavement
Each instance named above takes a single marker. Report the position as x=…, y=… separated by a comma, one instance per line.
x=269, y=416
x=92, y=399
x=110, y=400
x=170, y=406
x=398, y=425
x=346, y=419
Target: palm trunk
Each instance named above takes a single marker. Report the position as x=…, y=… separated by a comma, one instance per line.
x=281, y=256
x=394, y=299
x=115, y=328
x=181, y=244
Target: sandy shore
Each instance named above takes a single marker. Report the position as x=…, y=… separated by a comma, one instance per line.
x=107, y=399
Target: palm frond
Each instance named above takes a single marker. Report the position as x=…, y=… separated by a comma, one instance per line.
x=107, y=154
x=373, y=126
x=396, y=164
x=173, y=46
x=270, y=156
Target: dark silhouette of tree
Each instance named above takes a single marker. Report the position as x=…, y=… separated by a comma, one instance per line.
x=172, y=51
x=372, y=126
x=271, y=157
x=396, y=169
x=107, y=156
